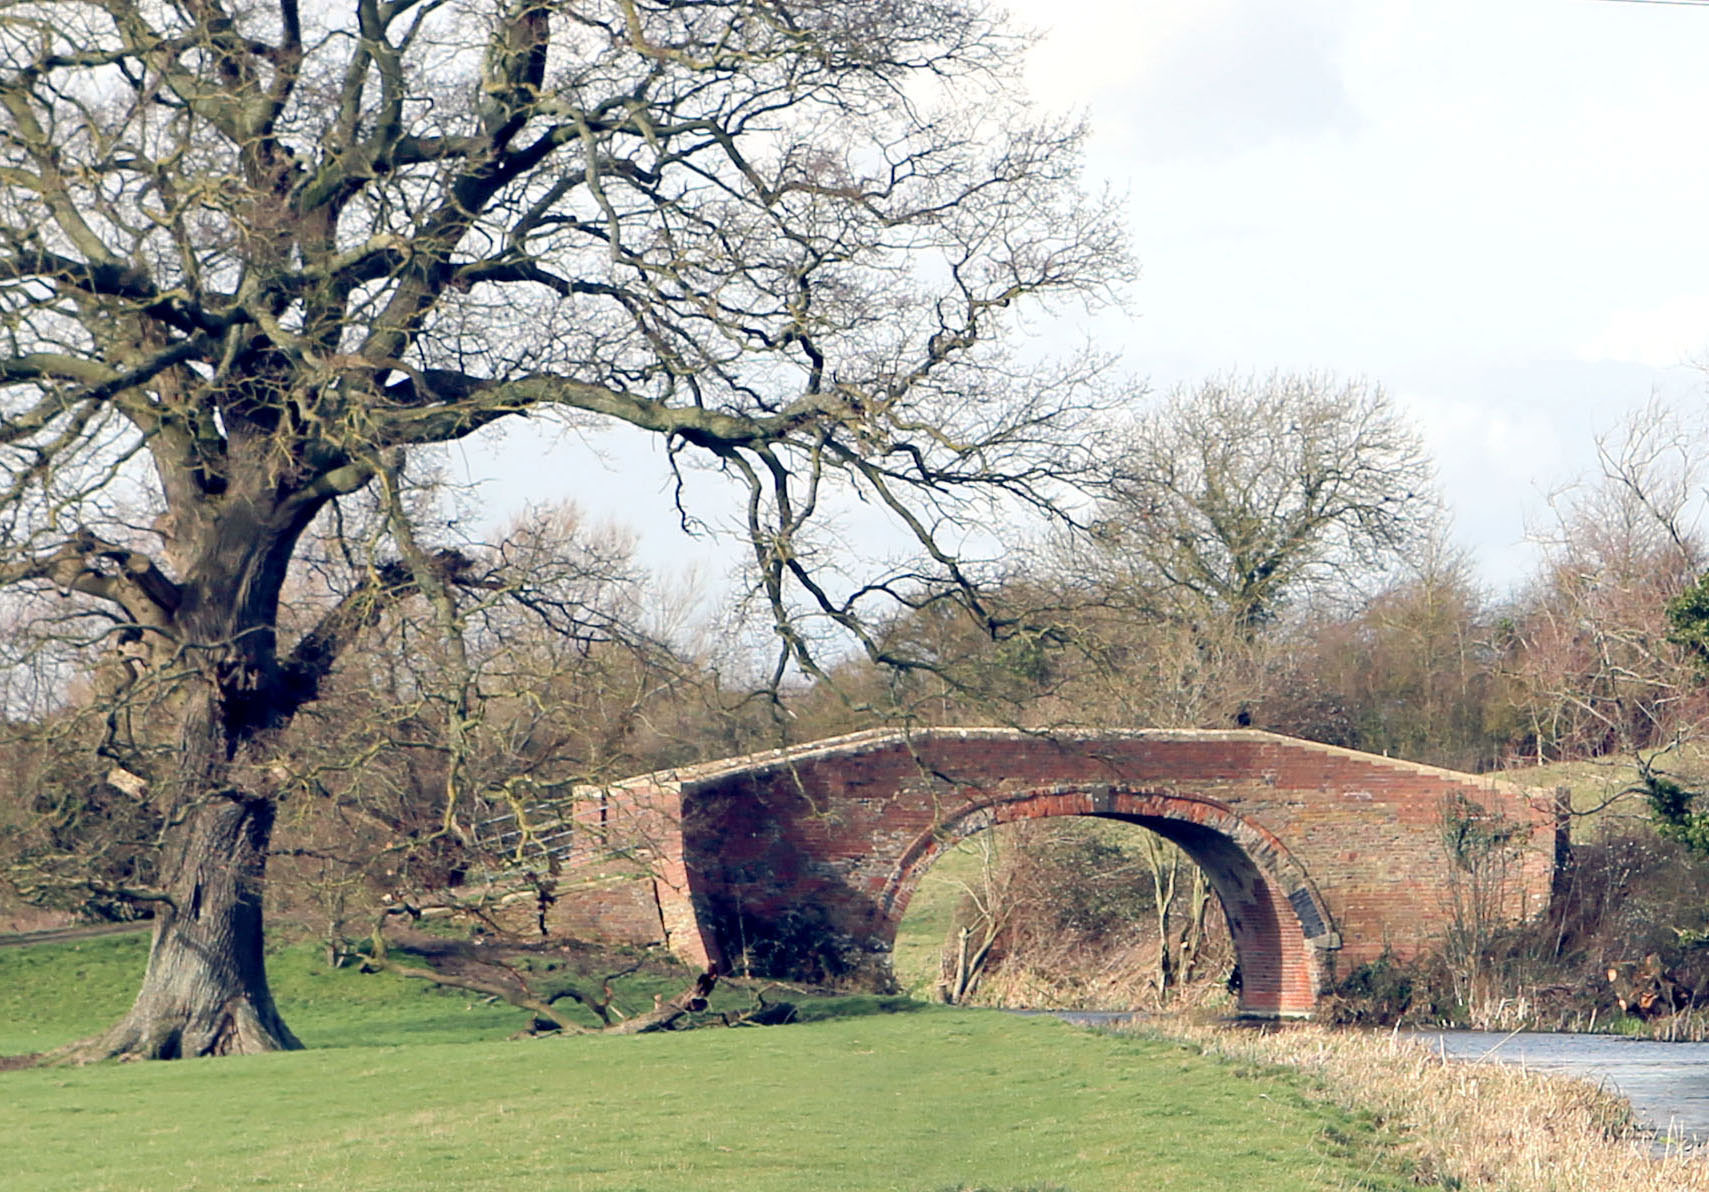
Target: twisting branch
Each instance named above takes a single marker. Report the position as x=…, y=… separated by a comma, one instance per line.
x=112, y=572
x=251, y=255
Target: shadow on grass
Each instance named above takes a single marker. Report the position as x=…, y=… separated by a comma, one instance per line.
x=856, y=1005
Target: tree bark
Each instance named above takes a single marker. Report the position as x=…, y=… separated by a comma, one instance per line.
x=205, y=991
x=664, y=1015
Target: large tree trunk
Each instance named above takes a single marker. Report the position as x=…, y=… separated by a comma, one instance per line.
x=205, y=991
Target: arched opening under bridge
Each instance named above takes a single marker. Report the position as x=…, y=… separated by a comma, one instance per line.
x=1276, y=918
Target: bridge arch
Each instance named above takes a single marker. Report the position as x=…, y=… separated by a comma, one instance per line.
x=1278, y=920
x=799, y=862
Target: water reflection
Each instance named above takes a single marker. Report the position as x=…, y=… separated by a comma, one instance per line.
x=1667, y=1083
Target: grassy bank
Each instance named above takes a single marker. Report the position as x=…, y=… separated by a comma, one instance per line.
x=410, y=1087
x=930, y=1101
x=414, y=1088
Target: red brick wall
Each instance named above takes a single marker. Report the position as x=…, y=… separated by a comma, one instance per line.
x=802, y=863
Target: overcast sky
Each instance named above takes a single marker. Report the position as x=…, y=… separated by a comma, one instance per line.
x=1496, y=209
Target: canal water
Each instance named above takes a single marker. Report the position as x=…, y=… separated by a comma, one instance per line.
x=1667, y=1083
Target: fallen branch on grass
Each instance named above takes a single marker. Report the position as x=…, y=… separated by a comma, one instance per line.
x=665, y=1014
x=462, y=964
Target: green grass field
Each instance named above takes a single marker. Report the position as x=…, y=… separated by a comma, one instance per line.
x=916, y=958
x=411, y=1088
x=54, y=993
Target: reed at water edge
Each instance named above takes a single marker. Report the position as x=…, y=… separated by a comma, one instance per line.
x=1466, y=1125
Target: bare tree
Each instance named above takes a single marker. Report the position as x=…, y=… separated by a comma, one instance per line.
x=980, y=921
x=512, y=691
x=1239, y=508
x=1413, y=669
x=1588, y=661
x=255, y=255
x=1237, y=496
x=1181, y=898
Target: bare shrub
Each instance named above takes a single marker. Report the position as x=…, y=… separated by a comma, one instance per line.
x=1087, y=915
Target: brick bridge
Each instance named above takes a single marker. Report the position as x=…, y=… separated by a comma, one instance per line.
x=801, y=862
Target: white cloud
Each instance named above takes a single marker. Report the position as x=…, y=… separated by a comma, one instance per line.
x=1211, y=79
x=1675, y=331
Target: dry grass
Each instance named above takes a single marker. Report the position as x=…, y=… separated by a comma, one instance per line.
x=1606, y=787
x=20, y=920
x=1072, y=974
x=1591, y=779
x=1520, y=1012
x=1468, y=1125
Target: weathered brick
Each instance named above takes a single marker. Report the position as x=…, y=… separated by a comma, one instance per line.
x=1324, y=858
